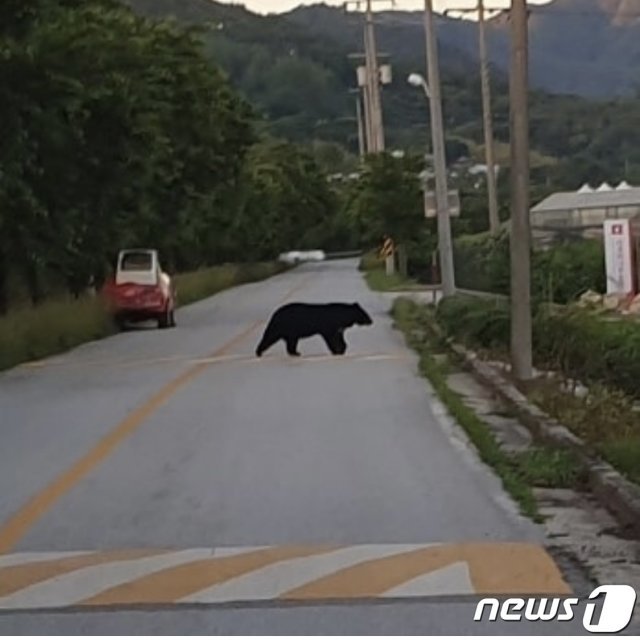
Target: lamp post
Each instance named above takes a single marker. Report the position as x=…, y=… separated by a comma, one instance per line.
x=416, y=80
x=439, y=157
x=442, y=194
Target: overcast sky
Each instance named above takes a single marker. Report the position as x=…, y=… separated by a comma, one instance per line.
x=275, y=6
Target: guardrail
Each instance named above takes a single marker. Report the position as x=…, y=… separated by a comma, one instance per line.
x=337, y=255
x=483, y=294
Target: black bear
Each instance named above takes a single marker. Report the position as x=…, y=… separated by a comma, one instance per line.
x=298, y=320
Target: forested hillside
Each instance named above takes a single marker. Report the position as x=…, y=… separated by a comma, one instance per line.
x=294, y=68
x=115, y=131
x=118, y=128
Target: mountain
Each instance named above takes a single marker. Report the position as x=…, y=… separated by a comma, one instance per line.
x=295, y=70
x=298, y=74
x=589, y=48
x=585, y=47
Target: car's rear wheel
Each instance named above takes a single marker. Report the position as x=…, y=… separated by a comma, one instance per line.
x=120, y=321
x=164, y=319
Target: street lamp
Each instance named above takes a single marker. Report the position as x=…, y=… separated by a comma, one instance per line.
x=416, y=80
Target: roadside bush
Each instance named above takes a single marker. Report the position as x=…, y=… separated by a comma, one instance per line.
x=590, y=348
x=578, y=344
x=480, y=323
x=371, y=261
x=206, y=282
x=482, y=262
x=560, y=274
x=52, y=327
x=565, y=272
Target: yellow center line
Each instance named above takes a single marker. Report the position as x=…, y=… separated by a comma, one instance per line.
x=20, y=522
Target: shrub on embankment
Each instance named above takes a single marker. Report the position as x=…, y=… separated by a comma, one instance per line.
x=560, y=274
x=578, y=344
x=605, y=355
x=58, y=325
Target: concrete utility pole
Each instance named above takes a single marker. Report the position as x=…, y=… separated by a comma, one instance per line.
x=439, y=158
x=494, y=219
x=520, y=240
x=361, y=140
x=373, y=82
x=492, y=191
x=370, y=76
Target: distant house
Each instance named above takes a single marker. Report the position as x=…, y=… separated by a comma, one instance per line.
x=582, y=213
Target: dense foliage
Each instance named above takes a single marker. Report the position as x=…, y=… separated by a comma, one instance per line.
x=559, y=275
x=295, y=69
x=387, y=200
x=117, y=130
x=580, y=345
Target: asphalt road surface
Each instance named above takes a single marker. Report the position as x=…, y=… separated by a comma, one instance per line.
x=168, y=482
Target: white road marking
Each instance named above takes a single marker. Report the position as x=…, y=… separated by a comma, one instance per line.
x=453, y=580
x=28, y=557
x=81, y=584
x=281, y=577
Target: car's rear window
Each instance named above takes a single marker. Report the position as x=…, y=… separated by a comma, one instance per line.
x=136, y=262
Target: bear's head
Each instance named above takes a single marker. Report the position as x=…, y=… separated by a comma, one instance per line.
x=361, y=317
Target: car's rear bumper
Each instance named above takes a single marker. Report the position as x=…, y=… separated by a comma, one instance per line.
x=139, y=313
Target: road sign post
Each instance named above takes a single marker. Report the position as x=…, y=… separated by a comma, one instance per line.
x=388, y=253
x=389, y=265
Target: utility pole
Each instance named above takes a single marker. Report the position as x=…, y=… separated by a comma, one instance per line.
x=370, y=77
x=373, y=81
x=494, y=219
x=361, y=140
x=439, y=158
x=492, y=191
x=520, y=237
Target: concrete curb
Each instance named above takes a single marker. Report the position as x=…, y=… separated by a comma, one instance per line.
x=617, y=494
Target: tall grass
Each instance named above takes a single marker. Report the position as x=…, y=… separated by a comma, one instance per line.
x=56, y=326
x=197, y=285
x=49, y=328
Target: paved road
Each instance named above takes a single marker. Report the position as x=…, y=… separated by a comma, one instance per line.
x=224, y=494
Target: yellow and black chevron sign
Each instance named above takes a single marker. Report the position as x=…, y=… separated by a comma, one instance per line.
x=54, y=580
x=387, y=248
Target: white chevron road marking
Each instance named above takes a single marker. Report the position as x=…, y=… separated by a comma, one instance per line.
x=276, y=579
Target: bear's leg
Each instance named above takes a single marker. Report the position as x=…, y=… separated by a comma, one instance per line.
x=341, y=343
x=335, y=342
x=268, y=340
x=292, y=346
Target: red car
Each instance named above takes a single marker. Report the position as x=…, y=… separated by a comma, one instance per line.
x=141, y=290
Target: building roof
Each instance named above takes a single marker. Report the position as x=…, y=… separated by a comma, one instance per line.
x=571, y=200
